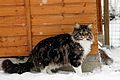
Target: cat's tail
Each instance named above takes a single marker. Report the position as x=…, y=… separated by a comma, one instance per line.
x=19, y=68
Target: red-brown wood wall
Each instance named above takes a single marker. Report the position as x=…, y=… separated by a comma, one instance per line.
x=23, y=23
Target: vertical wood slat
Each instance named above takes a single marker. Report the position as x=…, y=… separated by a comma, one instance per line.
x=28, y=24
x=99, y=16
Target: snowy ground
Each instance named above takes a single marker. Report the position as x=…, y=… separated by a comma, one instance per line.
x=111, y=72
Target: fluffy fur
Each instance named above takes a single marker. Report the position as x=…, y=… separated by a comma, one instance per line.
x=57, y=51
x=20, y=68
x=105, y=58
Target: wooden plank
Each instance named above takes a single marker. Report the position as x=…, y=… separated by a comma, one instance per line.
x=95, y=39
x=13, y=10
x=13, y=20
x=52, y=30
x=78, y=1
x=36, y=39
x=15, y=31
x=46, y=30
x=83, y=18
x=94, y=49
x=68, y=19
x=11, y=2
x=74, y=8
x=80, y=8
x=13, y=41
x=47, y=20
x=28, y=24
x=13, y=51
x=38, y=10
x=41, y=2
x=67, y=28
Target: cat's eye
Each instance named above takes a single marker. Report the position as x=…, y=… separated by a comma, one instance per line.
x=86, y=33
x=81, y=32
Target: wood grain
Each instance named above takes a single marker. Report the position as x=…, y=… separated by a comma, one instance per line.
x=78, y=1
x=13, y=51
x=41, y=2
x=13, y=20
x=15, y=31
x=11, y=2
x=12, y=10
x=13, y=41
x=47, y=20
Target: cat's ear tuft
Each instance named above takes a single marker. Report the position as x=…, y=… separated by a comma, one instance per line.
x=90, y=26
x=77, y=26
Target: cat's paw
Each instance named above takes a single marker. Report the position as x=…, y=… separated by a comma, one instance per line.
x=78, y=70
x=49, y=72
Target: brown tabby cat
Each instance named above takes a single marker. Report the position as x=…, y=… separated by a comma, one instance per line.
x=56, y=51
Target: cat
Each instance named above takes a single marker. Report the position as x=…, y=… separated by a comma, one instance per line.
x=56, y=51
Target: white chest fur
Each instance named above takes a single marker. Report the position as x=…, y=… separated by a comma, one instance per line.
x=86, y=46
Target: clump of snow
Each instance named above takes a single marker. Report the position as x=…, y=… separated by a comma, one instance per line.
x=44, y=1
x=111, y=72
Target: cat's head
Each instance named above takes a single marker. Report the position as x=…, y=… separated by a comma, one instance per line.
x=82, y=32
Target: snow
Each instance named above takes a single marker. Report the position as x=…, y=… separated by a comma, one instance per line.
x=114, y=11
x=115, y=32
x=44, y=1
x=111, y=72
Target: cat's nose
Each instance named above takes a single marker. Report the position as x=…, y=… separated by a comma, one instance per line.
x=83, y=37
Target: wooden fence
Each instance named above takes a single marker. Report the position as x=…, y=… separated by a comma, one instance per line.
x=23, y=23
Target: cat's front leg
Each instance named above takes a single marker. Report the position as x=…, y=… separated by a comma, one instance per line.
x=78, y=70
x=76, y=64
x=46, y=70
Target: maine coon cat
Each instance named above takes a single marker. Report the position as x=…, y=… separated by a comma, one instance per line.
x=56, y=51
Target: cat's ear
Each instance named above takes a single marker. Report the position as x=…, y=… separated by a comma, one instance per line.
x=77, y=26
x=90, y=26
